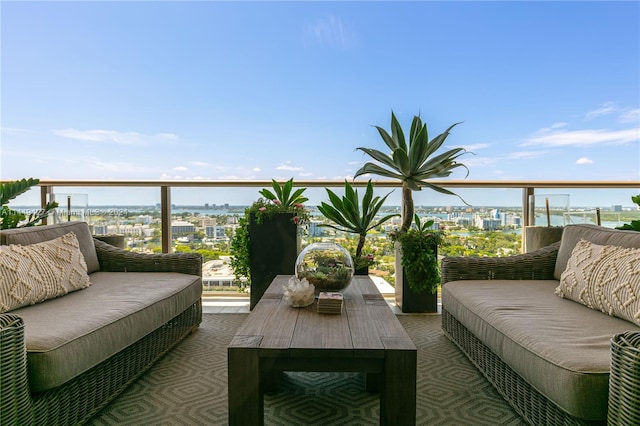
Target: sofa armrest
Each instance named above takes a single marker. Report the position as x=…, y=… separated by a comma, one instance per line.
x=114, y=259
x=14, y=383
x=535, y=265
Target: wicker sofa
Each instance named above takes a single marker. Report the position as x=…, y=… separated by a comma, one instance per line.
x=548, y=356
x=63, y=359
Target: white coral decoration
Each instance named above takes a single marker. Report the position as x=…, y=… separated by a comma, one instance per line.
x=299, y=293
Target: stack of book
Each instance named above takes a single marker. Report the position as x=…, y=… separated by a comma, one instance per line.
x=330, y=303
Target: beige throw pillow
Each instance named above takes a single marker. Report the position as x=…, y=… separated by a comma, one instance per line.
x=604, y=278
x=33, y=273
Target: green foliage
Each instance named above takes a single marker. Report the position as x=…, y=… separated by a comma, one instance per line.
x=349, y=215
x=419, y=247
x=282, y=195
x=281, y=200
x=635, y=224
x=240, y=258
x=12, y=219
x=414, y=163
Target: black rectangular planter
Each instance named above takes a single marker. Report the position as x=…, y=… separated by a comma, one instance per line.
x=408, y=300
x=273, y=249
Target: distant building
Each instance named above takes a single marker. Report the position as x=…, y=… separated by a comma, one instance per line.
x=512, y=220
x=182, y=227
x=207, y=221
x=617, y=208
x=315, y=230
x=487, y=224
x=215, y=231
x=463, y=221
x=100, y=229
x=144, y=218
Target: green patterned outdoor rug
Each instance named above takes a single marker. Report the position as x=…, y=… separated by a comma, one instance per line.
x=188, y=386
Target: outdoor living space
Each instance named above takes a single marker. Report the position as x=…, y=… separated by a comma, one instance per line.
x=189, y=385
x=331, y=213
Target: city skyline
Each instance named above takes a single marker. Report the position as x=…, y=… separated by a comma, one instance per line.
x=261, y=90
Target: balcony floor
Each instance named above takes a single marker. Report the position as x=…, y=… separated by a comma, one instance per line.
x=239, y=304
x=188, y=386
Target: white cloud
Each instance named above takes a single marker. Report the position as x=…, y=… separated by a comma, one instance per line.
x=305, y=174
x=520, y=155
x=604, y=109
x=586, y=137
x=472, y=162
x=288, y=167
x=331, y=31
x=476, y=146
x=630, y=116
x=180, y=168
x=113, y=136
x=584, y=160
x=118, y=167
x=15, y=131
x=200, y=163
x=552, y=127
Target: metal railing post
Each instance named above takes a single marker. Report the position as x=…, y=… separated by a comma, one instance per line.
x=165, y=215
x=527, y=212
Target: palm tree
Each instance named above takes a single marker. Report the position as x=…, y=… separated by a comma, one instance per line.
x=414, y=163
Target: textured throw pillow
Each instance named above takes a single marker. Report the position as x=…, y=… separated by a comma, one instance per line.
x=604, y=278
x=33, y=273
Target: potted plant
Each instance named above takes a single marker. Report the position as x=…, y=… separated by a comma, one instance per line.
x=266, y=242
x=419, y=261
x=13, y=219
x=412, y=163
x=350, y=215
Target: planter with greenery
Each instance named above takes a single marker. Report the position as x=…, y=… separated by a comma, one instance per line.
x=412, y=163
x=351, y=215
x=266, y=242
x=419, y=271
x=13, y=219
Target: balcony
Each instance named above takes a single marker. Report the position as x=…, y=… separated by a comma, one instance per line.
x=108, y=206
x=460, y=385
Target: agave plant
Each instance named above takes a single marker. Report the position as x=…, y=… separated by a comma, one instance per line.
x=348, y=216
x=413, y=163
x=282, y=194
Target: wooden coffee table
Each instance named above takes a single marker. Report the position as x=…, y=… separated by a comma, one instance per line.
x=367, y=337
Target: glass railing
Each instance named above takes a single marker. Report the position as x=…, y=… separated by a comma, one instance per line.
x=166, y=216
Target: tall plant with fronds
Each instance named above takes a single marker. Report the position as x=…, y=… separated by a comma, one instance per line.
x=349, y=215
x=413, y=162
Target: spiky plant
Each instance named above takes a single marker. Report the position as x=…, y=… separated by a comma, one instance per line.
x=348, y=216
x=413, y=163
x=282, y=195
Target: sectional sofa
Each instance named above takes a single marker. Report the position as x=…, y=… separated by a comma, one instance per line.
x=539, y=325
x=80, y=320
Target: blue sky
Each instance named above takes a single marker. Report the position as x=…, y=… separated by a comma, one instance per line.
x=261, y=90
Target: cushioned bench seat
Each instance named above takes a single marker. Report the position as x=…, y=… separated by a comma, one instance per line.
x=69, y=335
x=555, y=345
x=80, y=320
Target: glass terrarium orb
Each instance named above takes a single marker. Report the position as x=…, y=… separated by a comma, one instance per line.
x=328, y=266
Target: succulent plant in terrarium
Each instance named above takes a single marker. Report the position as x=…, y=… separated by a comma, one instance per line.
x=328, y=266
